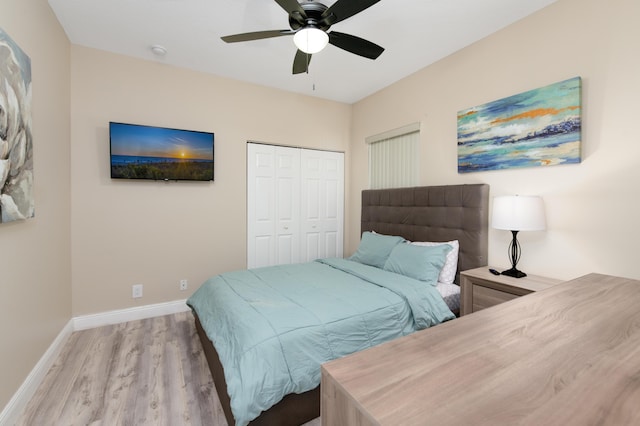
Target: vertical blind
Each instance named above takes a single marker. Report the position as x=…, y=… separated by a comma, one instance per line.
x=393, y=158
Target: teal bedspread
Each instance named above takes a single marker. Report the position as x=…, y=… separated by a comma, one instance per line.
x=273, y=327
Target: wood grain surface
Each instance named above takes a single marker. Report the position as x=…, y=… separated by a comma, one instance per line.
x=481, y=289
x=567, y=355
x=147, y=372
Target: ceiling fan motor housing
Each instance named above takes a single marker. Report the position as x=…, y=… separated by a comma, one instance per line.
x=314, y=11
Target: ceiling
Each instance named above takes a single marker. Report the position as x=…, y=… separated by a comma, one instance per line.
x=414, y=33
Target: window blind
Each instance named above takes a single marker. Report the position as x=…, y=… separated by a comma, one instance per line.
x=393, y=158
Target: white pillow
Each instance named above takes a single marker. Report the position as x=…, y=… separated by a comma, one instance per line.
x=448, y=272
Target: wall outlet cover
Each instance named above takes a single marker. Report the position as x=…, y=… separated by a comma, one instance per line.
x=136, y=291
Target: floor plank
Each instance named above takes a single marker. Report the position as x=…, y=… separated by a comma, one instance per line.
x=146, y=372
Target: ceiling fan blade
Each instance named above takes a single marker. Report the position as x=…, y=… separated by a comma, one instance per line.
x=291, y=6
x=256, y=35
x=343, y=9
x=356, y=45
x=301, y=62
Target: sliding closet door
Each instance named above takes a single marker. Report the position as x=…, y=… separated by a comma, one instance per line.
x=295, y=205
x=273, y=205
x=322, y=176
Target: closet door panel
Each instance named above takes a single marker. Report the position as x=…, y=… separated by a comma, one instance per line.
x=260, y=206
x=332, y=244
x=311, y=223
x=312, y=233
x=312, y=244
x=323, y=204
x=333, y=204
x=333, y=211
x=287, y=197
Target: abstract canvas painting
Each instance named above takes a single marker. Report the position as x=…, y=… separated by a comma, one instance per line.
x=16, y=154
x=541, y=127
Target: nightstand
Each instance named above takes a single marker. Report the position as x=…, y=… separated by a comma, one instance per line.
x=480, y=289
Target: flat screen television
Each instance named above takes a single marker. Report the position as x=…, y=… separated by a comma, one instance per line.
x=159, y=153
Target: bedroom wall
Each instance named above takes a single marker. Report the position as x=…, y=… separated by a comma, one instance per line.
x=35, y=263
x=156, y=233
x=591, y=207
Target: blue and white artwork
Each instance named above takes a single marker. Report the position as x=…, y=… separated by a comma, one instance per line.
x=541, y=127
x=16, y=143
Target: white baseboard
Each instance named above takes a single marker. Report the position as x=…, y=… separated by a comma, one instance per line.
x=20, y=399
x=18, y=402
x=131, y=314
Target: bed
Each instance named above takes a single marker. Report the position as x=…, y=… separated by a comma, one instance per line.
x=440, y=214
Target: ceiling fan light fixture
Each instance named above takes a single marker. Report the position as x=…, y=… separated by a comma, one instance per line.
x=311, y=40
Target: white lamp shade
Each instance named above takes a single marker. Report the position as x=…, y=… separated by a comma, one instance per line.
x=518, y=213
x=311, y=40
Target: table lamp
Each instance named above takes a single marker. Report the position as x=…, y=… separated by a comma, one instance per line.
x=517, y=213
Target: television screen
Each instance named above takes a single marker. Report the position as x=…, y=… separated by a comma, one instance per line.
x=158, y=153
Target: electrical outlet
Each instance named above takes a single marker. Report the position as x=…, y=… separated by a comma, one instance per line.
x=136, y=291
x=184, y=284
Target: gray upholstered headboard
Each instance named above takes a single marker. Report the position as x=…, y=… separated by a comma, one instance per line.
x=433, y=213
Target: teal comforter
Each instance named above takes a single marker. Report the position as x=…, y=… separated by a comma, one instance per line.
x=273, y=327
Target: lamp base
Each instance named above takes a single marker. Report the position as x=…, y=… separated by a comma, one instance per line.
x=513, y=272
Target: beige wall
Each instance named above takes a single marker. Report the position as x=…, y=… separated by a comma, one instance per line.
x=124, y=233
x=156, y=233
x=35, y=264
x=592, y=208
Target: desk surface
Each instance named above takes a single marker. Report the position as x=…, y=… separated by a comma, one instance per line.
x=566, y=355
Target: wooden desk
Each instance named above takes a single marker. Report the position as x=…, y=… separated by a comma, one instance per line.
x=567, y=355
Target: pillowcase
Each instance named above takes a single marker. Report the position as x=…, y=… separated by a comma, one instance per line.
x=420, y=262
x=448, y=272
x=374, y=249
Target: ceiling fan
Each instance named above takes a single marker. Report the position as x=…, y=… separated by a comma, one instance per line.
x=309, y=22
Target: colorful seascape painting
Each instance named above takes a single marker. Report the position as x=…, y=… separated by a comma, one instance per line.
x=541, y=127
x=16, y=140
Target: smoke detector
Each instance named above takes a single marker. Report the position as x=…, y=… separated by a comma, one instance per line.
x=158, y=50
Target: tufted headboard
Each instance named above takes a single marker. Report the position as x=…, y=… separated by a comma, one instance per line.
x=433, y=213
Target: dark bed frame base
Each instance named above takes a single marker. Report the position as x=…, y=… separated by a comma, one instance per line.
x=427, y=213
x=293, y=410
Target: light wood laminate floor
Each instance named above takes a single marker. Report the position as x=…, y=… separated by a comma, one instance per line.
x=146, y=372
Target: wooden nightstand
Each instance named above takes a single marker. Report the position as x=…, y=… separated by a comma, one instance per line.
x=480, y=289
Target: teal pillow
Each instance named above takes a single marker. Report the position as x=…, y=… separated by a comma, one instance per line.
x=374, y=249
x=420, y=262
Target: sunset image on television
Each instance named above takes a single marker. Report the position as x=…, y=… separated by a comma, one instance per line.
x=157, y=153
